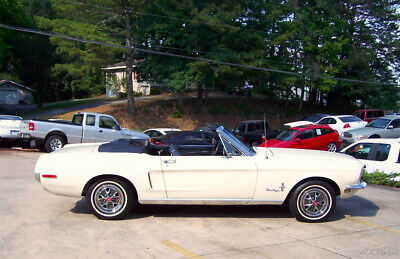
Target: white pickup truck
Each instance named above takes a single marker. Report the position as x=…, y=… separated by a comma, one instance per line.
x=84, y=128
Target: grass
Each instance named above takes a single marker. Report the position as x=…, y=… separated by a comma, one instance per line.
x=381, y=178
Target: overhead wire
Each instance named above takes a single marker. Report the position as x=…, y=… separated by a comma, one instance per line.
x=63, y=36
x=208, y=23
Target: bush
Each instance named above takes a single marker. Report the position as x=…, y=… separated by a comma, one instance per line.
x=155, y=90
x=136, y=94
x=217, y=110
x=177, y=114
x=381, y=178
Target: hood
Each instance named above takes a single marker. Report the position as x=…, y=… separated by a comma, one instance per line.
x=134, y=134
x=306, y=154
x=365, y=131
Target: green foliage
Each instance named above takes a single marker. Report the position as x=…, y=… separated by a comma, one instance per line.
x=218, y=110
x=155, y=90
x=177, y=114
x=381, y=178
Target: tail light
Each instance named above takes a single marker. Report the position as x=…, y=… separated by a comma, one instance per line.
x=31, y=126
x=242, y=139
x=263, y=139
x=157, y=143
x=346, y=126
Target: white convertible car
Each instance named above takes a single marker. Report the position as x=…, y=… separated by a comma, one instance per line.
x=117, y=175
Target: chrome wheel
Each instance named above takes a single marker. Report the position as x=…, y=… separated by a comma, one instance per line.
x=331, y=147
x=56, y=144
x=109, y=199
x=314, y=202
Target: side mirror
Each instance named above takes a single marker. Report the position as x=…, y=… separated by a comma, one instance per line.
x=297, y=140
x=390, y=127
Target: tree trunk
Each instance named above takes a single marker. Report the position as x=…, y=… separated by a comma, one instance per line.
x=180, y=100
x=129, y=63
x=200, y=98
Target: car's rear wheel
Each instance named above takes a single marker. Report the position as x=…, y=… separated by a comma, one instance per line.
x=110, y=198
x=331, y=147
x=312, y=201
x=54, y=143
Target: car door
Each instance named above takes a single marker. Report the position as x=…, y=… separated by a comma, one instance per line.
x=320, y=139
x=393, y=130
x=379, y=160
x=304, y=140
x=196, y=144
x=90, y=129
x=108, y=130
x=209, y=177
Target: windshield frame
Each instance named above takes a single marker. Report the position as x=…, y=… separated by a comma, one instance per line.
x=233, y=141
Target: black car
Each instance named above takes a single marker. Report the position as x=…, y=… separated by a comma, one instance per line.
x=314, y=117
x=212, y=127
x=189, y=143
x=253, y=133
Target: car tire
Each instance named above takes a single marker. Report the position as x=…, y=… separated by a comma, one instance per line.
x=313, y=201
x=54, y=143
x=331, y=147
x=110, y=198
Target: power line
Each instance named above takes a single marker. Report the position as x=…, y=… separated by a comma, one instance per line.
x=208, y=23
x=183, y=56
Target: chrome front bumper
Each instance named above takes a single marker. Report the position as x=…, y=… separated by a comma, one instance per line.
x=360, y=185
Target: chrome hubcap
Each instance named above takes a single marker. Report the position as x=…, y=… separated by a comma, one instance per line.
x=331, y=147
x=55, y=144
x=108, y=198
x=314, y=202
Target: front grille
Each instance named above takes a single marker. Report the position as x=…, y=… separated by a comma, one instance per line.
x=347, y=135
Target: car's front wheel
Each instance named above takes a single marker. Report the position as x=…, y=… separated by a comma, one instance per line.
x=313, y=201
x=110, y=198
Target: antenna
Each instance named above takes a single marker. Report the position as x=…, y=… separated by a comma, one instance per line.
x=265, y=129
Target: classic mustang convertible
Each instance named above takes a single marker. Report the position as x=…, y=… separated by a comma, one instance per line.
x=117, y=175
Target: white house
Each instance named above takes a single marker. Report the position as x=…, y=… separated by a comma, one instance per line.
x=115, y=76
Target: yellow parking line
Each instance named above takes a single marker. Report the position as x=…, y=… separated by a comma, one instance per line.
x=372, y=225
x=180, y=249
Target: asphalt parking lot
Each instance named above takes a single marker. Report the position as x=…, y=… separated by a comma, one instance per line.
x=35, y=223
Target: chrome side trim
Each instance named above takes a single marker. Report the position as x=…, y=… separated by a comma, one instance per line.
x=211, y=201
x=360, y=185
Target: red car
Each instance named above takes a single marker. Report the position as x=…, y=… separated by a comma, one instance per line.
x=318, y=137
x=369, y=115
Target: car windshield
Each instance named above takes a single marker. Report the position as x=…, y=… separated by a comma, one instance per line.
x=378, y=123
x=236, y=142
x=286, y=135
x=349, y=119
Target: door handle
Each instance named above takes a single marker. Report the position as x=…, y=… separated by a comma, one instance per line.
x=100, y=131
x=169, y=161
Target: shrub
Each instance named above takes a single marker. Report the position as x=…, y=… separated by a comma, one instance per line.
x=136, y=94
x=177, y=114
x=381, y=178
x=155, y=90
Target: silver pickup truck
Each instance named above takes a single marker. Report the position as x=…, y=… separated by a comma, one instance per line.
x=84, y=128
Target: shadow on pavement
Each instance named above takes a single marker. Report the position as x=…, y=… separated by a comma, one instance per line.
x=354, y=206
